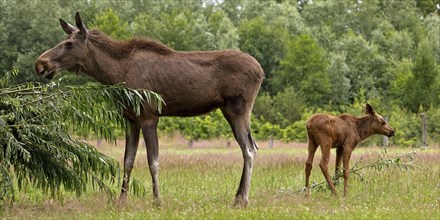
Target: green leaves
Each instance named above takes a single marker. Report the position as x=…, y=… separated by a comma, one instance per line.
x=111, y=24
x=36, y=147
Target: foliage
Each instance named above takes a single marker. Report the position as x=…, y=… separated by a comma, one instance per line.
x=433, y=120
x=423, y=81
x=266, y=43
x=195, y=128
x=184, y=29
x=111, y=24
x=332, y=53
x=303, y=61
x=35, y=145
x=283, y=108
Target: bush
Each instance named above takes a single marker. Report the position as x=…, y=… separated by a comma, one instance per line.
x=282, y=109
x=433, y=123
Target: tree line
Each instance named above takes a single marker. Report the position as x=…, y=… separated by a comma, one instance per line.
x=327, y=56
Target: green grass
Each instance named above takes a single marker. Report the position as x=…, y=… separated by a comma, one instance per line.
x=201, y=183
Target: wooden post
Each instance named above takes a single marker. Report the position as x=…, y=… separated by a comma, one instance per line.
x=424, y=130
x=385, y=138
x=271, y=142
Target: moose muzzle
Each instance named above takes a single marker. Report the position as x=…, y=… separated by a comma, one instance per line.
x=42, y=68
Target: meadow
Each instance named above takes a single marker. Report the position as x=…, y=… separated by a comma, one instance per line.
x=201, y=182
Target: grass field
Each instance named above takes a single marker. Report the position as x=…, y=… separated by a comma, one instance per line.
x=200, y=183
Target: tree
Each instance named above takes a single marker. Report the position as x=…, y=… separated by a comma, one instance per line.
x=282, y=109
x=338, y=72
x=36, y=147
x=367, y=67
x=24, y=37
x=422, y=85
x=428, y=6
x=402, y=14
x=184, y=29
x=431, y=24
x=304, y=57
x=30, y=27
x=401, y=72
x=109, y=23
x=267, y=43
x=224, y=33
x=304, y=69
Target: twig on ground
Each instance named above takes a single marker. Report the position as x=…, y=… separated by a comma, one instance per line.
x=380, y=164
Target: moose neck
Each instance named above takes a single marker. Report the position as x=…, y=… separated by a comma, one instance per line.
x=102, y=67
x=109, y=60
x=364, y=128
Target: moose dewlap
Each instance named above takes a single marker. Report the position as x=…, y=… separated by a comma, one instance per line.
x=342, y=132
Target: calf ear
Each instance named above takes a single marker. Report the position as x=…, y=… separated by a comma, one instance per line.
x=68, y=28
x=82, y=28
x=369, y=109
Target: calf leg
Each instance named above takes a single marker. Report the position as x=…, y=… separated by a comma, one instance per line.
x=149, y=130
x=131, y=146
x=324, y=166
x=346, y=161
x=309, y=163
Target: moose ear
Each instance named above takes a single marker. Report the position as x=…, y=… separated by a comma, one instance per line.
x=68, y=28
x=369, y=109
x=82, y=28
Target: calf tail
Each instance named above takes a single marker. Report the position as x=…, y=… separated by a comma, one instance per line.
x=310, y=136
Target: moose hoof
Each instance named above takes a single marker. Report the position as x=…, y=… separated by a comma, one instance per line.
x=157, y=202
x=307, y=194
x=122, y=201
x=241, y=201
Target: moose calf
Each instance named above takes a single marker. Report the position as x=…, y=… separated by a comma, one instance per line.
x=342, y=132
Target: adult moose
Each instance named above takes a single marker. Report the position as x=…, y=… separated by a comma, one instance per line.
x=191, y=83
x=342, y=132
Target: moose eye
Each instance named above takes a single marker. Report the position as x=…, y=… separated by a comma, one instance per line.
x=383, y=122
x=68, y=45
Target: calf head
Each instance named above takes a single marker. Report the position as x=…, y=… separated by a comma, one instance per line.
x=378, y=123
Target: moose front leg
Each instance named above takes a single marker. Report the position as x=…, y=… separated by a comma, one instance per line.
x=149, y=130
x=339, y=152
x=131, y=146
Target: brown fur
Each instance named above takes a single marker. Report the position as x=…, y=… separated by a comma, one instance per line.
x=122, y=49
x=191, y=83
x=342, y=132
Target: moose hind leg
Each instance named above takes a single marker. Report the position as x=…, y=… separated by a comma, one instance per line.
x=325, y=157
x=309, y=163
x=149, y=130
x=346, y=161
x=131, y=146
x=240, y=124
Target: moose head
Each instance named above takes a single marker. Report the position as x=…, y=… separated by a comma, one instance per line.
x=70, y=54
x=378, y=123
